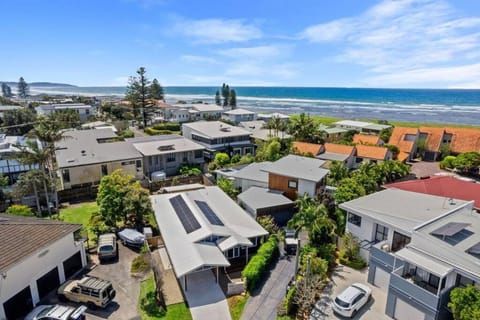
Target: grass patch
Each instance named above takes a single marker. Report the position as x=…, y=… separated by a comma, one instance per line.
x=236, y=304
x=150, y=310
x=139, y=264
x=80, y=213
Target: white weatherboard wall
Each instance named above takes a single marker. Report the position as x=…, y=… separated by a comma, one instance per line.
x=308, y=187
x=363, y=232
x=28, y=271
x=246, y=184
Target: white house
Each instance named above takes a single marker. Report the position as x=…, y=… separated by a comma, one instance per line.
x=10, y=167
x=361, y=126
x=239, y=115
x=37, y=255
x=83, y=110
x=204, y=229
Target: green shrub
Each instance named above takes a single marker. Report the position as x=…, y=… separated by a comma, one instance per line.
x=126, y=134
x=447, y=162
x=19, y=210
x=167, y=126
x=189, y=170
x=235, y=158
x=327, y=252
x=139, y=264
x=153, y=132
x=289, y=305
x=355, y=263
x=255, y=268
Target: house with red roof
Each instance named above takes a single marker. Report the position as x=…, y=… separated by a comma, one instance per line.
x=406, y=141
x=443, y=186
x=367, y=139
x=372, y=154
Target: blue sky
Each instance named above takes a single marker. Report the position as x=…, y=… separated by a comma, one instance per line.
x=345, y=43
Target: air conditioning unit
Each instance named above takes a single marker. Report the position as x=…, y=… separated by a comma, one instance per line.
x=386, y=247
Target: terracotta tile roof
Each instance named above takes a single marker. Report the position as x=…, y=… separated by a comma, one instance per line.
x=464, y=140
x=306, y=148
x=339, y=148
x=22, y=236
x=398, y=138
x=366, y=139
x=371, y=152
x=434, y=137
x=448, y=187
x=402, y=156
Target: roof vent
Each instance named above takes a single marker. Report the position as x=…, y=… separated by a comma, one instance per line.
x=166, y=148
x=84, y=153
x=225, y=129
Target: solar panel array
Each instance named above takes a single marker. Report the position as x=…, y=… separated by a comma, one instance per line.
x=209, y=213
x=184, y=213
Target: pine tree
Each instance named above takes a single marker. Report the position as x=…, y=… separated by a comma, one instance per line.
x=6, y=90
x=225, y=94
x=218, y=100
x=22, y=88
x=138, y=94
x=233, y=99
x=156, y=90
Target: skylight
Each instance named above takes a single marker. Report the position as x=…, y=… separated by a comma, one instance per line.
x=475, y=250
x=453, y=232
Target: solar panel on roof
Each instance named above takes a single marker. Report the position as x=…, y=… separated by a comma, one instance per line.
x=450, y=229
x=184, y=214
x=209, y=213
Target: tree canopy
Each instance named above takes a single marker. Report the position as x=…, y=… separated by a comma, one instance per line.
x=20, y=121
x=139, y=95
x=6, y=90
x=22, y=88
x=465, y=303
x=156, y=90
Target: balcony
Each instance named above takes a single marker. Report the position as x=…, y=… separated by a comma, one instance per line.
x=414, y=288
x=381, y=256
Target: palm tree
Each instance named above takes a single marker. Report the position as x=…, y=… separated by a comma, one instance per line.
x=338, y=171
x=33, y=154
x=28, y=183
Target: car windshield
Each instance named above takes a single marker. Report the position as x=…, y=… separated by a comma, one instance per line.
x=106, y=248
x=45, y=311
x=341, y=303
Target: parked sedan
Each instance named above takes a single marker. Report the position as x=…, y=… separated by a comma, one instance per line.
x=132, y=237
x=56, y=312
x=350, y=300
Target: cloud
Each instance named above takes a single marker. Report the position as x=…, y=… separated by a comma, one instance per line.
x=258, y=52
x=259, y=70
x=214, y=31
x=420, y=38
x=119, y=81
x=198, y=59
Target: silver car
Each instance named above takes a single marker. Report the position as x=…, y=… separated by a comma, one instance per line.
x=56, y=312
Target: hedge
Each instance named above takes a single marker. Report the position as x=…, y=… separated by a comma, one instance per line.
x=167, y=126
x=153, y=132
x=254, y=270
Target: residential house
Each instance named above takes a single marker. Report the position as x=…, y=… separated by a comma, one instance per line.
x=83, y=110
x=259, y=201
x=251, y=175
x=85, y=156
x=461, y=140
x=419, y=248
x=258, y=130
x=361, y=126
x=406, y=141
x=431, y=140
x=10, y=167
x=367, y=139
x=37, y=255
x=217, y=136
x=204, y=229
x=443, y=186
x=239, y=115
x=199, y=111
x=306, y=148
x=297, y=175
x=332, y=133
x=339, y=152
x=167, y=153
x=177, y=113
x=373, y=154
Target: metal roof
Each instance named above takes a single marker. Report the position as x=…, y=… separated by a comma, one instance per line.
x=156, y=145
x=216, y=129
x=299, y=167
x=260, y=198
x=254, y=171
x=424, y=262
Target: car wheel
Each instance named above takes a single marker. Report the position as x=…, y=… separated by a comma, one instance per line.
x=62, y=297
x=354, y=313
x=91, y=306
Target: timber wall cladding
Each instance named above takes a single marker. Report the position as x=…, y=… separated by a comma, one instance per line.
x=277, y=182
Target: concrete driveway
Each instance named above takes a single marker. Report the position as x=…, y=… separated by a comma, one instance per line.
x=205, y=297
x=124, y=306
x=342, y=278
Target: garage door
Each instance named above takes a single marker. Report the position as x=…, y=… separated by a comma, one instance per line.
x=382, y=278
x=72, y=265
x=404, y=311
x=48, y=282
x=19, y=305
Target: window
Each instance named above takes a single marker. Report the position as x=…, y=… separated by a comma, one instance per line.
x=399, y=241
x=171, y=157
x=292, y=184
x=198, y=154
x=381, y=233
x=434, y=281
x=126, y=163
x=87, y=112
x=66, y=175
x=354, y=219
x=104, y=170
x=464, y=281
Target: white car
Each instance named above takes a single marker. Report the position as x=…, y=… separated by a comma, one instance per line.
x=56, y=312
x=350, y=300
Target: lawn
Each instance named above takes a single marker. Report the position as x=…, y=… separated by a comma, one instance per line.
x=79, y=213
x=149, y=310
x=236, y=305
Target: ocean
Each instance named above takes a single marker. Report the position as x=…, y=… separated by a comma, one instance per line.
x=412, y=105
